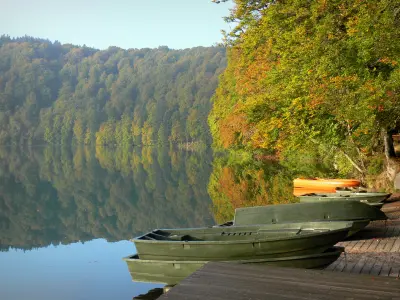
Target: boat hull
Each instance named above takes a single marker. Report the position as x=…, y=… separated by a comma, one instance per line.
x=171, y=272
x=361, y=197
x=244, y=242
x=357, y=226
x=358, y=212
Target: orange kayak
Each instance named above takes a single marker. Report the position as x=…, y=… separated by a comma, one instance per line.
x=325, y=184
x=303, y=191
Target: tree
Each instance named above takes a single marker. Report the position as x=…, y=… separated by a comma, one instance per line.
x=311, y=74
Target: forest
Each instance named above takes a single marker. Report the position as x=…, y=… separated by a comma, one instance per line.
x=318, y=75
x=61, y=93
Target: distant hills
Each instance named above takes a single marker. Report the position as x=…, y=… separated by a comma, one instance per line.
x=59, y=93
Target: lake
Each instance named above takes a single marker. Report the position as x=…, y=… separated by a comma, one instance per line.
x=67, y=214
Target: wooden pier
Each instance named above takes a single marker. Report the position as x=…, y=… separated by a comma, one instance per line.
x=233, y=281
x=369, y=269
x=375, y=250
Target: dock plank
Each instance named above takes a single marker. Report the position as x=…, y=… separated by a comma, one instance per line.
x=351, y=263
x=359, y=265
x=374, y=245
x=333, y=265
x=342, y=260
x=396, y=246
x=368, y=265
x=357, y=246
x=234, y=281
x=351, y=245
x=376, y=269
x=372, y=251
x=385, y=271
x=389, y=245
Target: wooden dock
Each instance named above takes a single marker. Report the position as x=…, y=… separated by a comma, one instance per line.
x=232, y=281
x=375, y=250
x=369, y=269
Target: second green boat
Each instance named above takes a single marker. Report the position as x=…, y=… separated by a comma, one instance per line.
x=359, y=213
x=348, y=196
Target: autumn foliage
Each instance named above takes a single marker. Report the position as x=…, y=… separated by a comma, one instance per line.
x=310, y=73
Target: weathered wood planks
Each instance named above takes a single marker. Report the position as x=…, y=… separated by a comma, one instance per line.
x=231, y=281
x=374, y=251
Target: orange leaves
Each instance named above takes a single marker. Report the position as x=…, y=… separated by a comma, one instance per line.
x=243, y=191
x=250, y=78
x=322, y=5
x=316, y=99
x=390, y=93
x=232, y=127
x=341, y=80
x=388, y=61
x=352, y=26
x=370, y=87
x=250, y=65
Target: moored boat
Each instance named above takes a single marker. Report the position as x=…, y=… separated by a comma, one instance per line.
x=302, y=191
x=362, y=197
x=359, y=213
x=241, y=242
x=172, y=271
x=323, y=184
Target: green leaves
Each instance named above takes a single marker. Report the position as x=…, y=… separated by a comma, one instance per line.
x=319, y=72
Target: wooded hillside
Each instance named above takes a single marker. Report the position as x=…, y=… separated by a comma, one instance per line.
x=62, y=93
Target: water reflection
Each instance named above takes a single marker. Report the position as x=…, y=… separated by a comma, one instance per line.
x=70, y=208
x=242, y=180
x=52, y=195
x=75, y=209
x=168, y=272
x=251, y=183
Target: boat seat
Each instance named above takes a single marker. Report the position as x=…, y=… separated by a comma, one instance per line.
x=237, y=233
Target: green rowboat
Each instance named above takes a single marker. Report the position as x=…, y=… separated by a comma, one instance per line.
x=171, y=272
x=362, y=197
x=359, y=213
x=241, y=242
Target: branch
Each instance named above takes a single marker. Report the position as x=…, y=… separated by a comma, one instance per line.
x=344, y=153
x=351, y=161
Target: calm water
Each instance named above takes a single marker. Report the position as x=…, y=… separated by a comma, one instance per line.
x=66, y=215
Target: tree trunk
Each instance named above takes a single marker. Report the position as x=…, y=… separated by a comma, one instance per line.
x=388, y=144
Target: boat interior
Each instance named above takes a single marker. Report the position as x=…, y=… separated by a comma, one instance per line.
x=240, y=233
